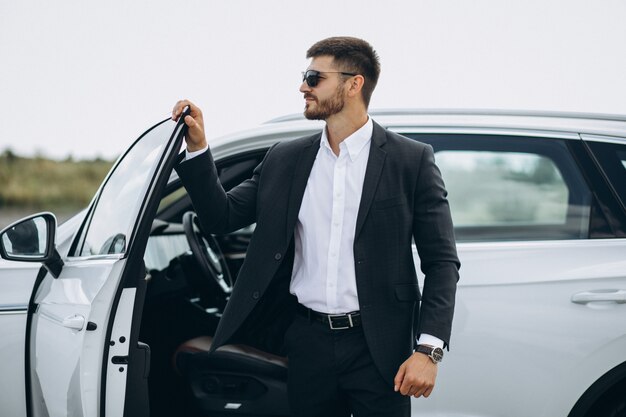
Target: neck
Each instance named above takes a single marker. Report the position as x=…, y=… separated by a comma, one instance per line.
x=341, y=125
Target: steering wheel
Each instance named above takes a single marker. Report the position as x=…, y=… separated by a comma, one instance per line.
x=207, y=253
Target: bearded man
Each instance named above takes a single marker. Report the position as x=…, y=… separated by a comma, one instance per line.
x=329, y=277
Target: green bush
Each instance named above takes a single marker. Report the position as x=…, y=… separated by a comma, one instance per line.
x=44, y=184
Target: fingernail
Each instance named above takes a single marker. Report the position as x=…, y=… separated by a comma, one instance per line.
x=395, y=388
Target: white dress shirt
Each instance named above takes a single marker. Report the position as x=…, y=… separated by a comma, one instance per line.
x=323, y=277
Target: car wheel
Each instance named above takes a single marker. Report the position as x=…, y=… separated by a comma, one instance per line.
x=618, y=408
x=611, y=404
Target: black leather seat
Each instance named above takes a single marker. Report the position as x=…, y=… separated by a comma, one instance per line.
x=233, y=380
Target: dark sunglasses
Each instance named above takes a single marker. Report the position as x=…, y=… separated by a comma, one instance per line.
x=313, y=77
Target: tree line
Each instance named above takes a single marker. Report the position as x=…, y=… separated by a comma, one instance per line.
x=40, y=183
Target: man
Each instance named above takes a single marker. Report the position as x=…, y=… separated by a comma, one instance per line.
x=24, y=239
x=330, y=266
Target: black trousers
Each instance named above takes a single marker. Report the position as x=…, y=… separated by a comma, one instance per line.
x=331, y=374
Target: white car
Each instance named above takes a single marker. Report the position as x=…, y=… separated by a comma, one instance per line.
x=117, y=321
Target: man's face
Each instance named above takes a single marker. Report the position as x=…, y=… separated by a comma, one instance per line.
x=327, y=97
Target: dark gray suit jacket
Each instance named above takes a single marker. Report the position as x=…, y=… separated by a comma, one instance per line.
x=403, y=199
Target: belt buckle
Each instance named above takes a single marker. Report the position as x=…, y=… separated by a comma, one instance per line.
x=330, y=321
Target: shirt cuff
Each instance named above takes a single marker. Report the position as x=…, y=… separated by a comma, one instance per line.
x=426, y=339
x=191, y=155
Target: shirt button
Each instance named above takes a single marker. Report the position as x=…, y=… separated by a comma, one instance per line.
x=255, y=295
x=278, y=256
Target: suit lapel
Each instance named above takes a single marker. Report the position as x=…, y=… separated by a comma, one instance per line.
x=373, y=171
x=301, y=173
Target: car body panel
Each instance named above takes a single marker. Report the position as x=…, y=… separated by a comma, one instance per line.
x=116, y=375
x=66, y=360
x=531, y=285
x=12, y=383
x=16, y=281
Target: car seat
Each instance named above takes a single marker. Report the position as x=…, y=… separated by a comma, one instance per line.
x=234, y=380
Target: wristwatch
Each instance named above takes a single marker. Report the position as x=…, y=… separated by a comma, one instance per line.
x=434, y=353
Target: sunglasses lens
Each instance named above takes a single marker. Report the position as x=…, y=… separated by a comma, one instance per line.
x=311, y=78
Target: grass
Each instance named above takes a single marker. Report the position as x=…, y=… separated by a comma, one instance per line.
x=34, y=184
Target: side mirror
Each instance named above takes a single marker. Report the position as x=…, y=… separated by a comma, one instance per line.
x=32, y=240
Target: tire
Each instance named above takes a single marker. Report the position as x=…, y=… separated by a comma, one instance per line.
x=610, y=404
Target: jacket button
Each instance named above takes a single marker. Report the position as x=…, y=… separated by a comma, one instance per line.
x=278, y=256
x=255, y=295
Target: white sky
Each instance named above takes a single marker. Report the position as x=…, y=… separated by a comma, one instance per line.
x=87, y=78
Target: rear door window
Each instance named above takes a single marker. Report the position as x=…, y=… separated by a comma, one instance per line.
x=512, y=188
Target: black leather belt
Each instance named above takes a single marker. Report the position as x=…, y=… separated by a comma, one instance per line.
x=333, y=321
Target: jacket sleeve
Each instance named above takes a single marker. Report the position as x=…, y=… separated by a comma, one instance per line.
x=434, y=238
x=218, y=211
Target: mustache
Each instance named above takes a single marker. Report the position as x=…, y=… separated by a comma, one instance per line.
x=308, y=95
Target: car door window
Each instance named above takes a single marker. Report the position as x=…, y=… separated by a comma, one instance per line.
x=511, y=188
x=612, y=158
x=112, y=219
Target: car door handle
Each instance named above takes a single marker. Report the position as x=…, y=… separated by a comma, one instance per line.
x=616, y=296
x=75, y=321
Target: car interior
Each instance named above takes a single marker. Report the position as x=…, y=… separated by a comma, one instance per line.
x=190, y=277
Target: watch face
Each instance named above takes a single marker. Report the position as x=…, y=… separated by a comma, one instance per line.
x=437, y=354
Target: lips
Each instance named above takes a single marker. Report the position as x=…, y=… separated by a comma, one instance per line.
x=310, y=97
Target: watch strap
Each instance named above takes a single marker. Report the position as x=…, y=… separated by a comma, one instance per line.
x=434, y=353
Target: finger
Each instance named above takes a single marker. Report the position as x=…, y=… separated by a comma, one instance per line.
x=419, y=391
x=190, y=122
x=177, y=109
x=425, y=389
x=407, y=387
x=397, y=381
x=196, y=132
x=416, y=391
x=180, y=106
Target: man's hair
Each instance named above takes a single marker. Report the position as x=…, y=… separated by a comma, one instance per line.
x=351, y=55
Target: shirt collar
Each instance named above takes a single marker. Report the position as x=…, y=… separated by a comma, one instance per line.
x=354, y=143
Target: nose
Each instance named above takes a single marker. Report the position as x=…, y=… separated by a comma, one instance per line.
x=304, y=87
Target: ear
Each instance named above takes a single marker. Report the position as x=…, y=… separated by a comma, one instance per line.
x=355, y=85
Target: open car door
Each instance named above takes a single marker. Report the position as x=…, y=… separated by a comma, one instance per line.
x=83, y=355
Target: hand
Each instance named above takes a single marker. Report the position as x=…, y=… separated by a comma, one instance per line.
x=195, y=137
x=416, y=376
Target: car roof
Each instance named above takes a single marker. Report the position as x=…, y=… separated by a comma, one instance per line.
x=406, y=113
x=566, y=125
x=479, y=121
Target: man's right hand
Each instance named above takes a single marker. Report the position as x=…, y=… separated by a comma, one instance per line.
x=195, y=138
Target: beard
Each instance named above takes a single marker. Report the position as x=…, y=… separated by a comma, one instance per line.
x=325, y=108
